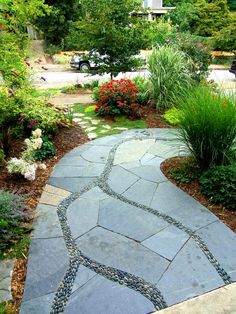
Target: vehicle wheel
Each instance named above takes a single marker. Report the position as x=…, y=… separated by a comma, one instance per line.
x=84, y=67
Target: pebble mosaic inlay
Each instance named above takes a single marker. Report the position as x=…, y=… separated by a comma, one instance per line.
x=77, y=258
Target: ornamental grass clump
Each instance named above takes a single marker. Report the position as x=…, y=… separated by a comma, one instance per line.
x=170, y=75
x=118, y=97
x=208, y=126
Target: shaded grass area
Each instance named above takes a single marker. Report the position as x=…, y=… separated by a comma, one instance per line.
x=120, y=121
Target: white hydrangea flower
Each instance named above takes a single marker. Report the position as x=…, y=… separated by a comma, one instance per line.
x=37, y=133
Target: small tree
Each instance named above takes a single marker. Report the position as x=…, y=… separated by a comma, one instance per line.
x=113, y=30
x=212, y=16
x=225, y=39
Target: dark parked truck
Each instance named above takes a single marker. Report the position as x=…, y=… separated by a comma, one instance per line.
x=233, y=68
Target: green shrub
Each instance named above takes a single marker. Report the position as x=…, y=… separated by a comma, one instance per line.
x=144, y=90
x=208, y=126
x=197, y=51
x=47, y=149
x=169, y=74
x=219, y=184
x=11, y=220
x=118, y=97
x=172, y=116
x=187, y=171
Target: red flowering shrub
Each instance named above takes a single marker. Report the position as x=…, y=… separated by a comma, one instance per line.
x=117, y=97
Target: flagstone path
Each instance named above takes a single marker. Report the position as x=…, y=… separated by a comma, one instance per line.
x=114, y=236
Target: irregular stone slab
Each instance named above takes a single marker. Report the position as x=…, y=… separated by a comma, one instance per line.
x=132, y=150
x=79, y=114
x=95, y=194
x=47, y=264
x=92, y=128
x=164, y=134
x=120, y=179
x=53, y=190
x=77, y=120
x=70, y=184
x=46, y=223
x=141, y=192
x=67, y=172
x=117, y=251
x=95, y=121
x=6, y=269
x=149, y=173
x=151, y=160
x=102, y=296
x=167, y=242
x=73, y=161
x=189, y=275
x=218, y=301
x=82, y=216
x=106, y=126
x=82, y=277
x=128, y=220
x=120, y=129
x=87, y=118
x=50, y=199
x=163, y=150
x=222, y=243
x=130, y=165
x=92, y=136
x=172, y=201
x=97, y=154
x=39, y=305
x=83, y=123
x=76, y=152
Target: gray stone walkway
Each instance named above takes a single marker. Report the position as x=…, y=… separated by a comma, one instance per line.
x=114, y=236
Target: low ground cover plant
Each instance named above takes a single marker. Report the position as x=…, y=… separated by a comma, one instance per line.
x=118, y=97
x=170, y=75
x=219, y=184
x=208, y=126
x=172, y=116
x=12, y=226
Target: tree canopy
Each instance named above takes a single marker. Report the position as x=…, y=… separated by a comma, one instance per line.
x=109, y=27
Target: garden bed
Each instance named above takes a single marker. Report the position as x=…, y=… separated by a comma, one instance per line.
x=193, y=188
x=64, y=141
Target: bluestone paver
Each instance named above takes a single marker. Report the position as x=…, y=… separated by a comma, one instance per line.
x=117, y=237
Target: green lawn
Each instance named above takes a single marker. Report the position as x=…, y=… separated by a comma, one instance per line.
x=120, y=121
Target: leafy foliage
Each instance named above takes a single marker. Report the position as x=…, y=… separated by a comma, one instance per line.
x=172, y=116
x=187, y=171
x=47, y=149
x=117, y=98
x=212, y=16
x=219, y=184
x=196, y=49
x=169, y=74
x=208, y=126
x=184, y=16
x=225, y=39
x=55, y=23
x=113, y=31
x=158, y=32
x=144, y=90
x=12, y=228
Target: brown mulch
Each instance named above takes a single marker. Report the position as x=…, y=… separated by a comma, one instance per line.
x=152, y=117
x=193, y=189
x=65, y=140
